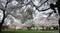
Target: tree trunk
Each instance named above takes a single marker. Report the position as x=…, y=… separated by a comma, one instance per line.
x=29, y=28
x=58, y=6
x=1, y=24
x=2, y=20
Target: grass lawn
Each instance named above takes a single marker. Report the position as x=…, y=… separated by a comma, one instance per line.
x=31, y=31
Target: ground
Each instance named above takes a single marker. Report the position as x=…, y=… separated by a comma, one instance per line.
x=31, y=31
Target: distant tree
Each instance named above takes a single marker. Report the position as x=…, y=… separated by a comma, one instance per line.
x=28, y=24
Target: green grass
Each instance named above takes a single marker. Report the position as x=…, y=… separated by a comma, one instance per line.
x=31, y=31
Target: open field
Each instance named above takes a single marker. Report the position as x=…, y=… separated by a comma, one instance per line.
x=31, y=31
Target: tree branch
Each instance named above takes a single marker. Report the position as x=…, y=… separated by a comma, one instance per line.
x=37, y=7
x=2, y=9
x=8, y=1
x=43, y=3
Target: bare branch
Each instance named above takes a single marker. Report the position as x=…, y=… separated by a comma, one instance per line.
x=43, y=3
x=45, y=9
x=8, y=1
x=37, y=7
x=2, y=9
x=50, y=14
